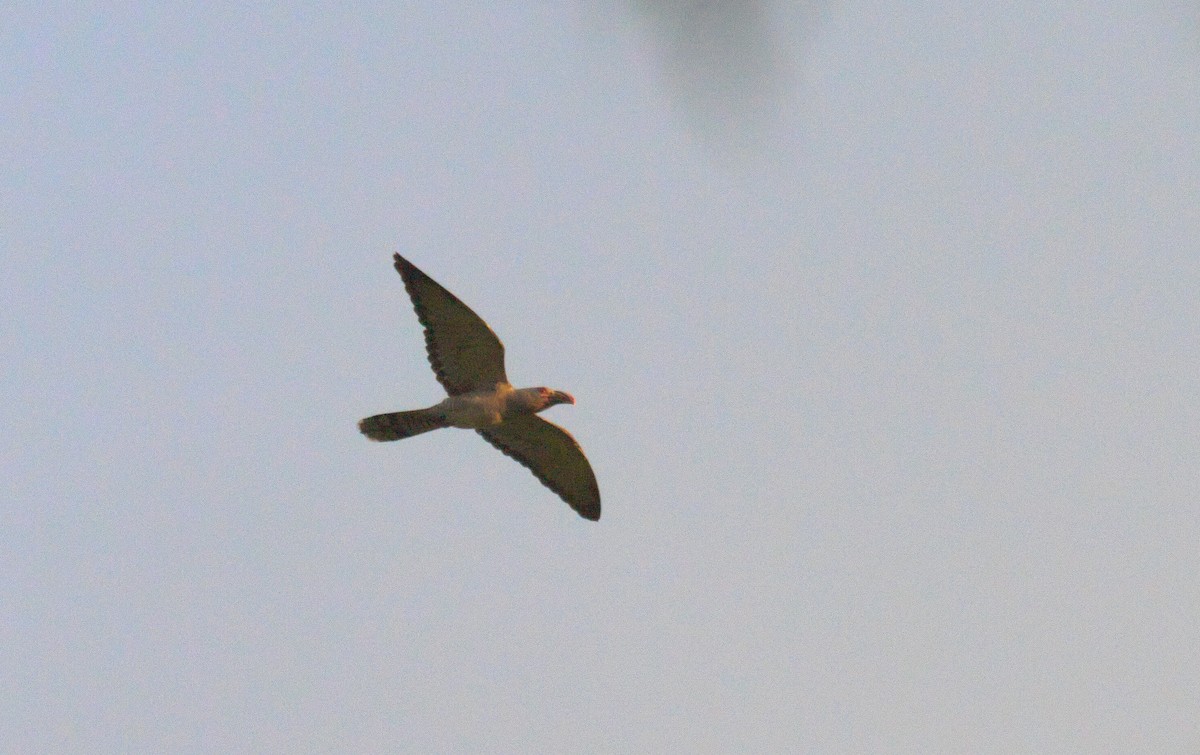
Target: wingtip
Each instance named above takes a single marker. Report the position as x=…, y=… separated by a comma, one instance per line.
x=592, y=515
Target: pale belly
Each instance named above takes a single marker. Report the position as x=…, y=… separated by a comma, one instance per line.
x=472, y=411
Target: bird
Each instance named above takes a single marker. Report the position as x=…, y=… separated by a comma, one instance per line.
x=467, y=358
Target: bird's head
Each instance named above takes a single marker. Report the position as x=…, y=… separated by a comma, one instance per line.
x=550, y=397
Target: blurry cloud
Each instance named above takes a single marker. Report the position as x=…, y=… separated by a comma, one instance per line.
x=721, y=62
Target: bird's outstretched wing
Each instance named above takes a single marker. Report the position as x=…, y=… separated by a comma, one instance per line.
x=464, y=352
x=553, y=456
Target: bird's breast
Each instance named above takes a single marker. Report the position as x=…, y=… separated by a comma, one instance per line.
x=475, y=411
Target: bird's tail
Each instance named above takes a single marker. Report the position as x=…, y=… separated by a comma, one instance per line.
x=397, y=425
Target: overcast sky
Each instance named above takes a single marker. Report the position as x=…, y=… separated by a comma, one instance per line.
x=882, y=320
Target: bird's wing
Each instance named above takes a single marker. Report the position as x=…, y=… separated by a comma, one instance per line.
x=553, y=456
x=464, y=352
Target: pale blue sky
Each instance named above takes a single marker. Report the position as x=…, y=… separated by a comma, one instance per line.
x=881, y=318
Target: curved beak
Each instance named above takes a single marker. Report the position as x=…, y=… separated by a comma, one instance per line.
x=562, y=397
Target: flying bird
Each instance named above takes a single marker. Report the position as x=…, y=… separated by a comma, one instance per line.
x=468, y=360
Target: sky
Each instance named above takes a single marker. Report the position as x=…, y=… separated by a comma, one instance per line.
x=880, y=318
